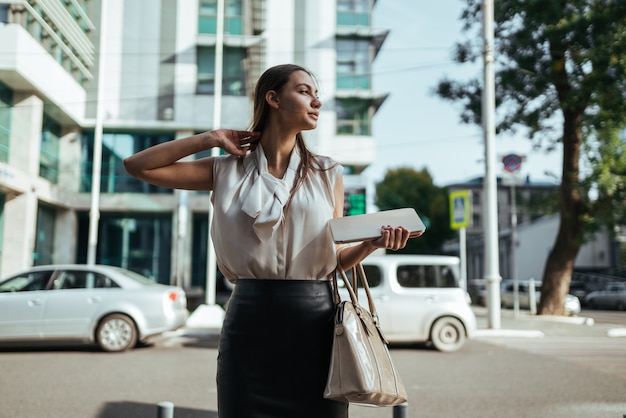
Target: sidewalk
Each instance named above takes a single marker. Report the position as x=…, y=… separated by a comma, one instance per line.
x=526, y=325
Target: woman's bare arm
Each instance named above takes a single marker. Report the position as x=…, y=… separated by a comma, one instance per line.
x=160, y=164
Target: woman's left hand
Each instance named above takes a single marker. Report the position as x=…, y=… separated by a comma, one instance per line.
x=392, y=238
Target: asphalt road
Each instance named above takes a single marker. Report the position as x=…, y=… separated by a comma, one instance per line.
x=571, y=371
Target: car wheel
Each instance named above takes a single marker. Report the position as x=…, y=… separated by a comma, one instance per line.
x=592, y=304
x=447, y=334
x=621, y=306
x=116, y=333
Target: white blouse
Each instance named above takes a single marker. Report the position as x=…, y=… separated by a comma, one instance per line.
x=252, y=235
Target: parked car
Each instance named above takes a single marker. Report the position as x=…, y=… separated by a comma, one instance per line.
x=477, y=289
x=419, y=300
x=613, y=296
x=579, y=289
x=110, y=306
x=507, y=296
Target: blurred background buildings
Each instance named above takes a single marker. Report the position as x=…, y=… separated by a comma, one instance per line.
x=158, y=72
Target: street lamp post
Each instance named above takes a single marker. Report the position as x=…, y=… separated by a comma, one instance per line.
x=490, y=220
x=94, y=210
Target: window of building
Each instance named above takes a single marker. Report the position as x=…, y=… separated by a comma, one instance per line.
x=116, y=147
x=44, y=237
x=138, y=242
x=49, y=151
x=199, y=249
x=353, y=117
x=233, y=17
x=354, y=12
x=354, y=58
x=233, y=74
x=6, y=103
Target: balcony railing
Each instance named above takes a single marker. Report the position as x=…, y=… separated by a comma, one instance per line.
x=353, y=19
x=353, y=82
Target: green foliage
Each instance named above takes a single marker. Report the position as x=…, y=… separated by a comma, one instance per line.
x=405, y=187
x=560, y=77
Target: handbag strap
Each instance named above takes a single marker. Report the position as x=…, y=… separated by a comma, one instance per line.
x=353, y=288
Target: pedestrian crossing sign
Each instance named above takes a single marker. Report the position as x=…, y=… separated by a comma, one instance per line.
x=460, y=209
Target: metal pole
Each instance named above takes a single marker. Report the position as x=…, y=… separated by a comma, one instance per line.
x=513, y=250
x=94, y=211
x=217, y=122
x=165, y=410
x=532, y=297
x=401, y=411
x=463, y=256
x=490, y=218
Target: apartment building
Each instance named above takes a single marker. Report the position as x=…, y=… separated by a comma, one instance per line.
x=157, y=73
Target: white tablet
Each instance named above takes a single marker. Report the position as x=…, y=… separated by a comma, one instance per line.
x=365, y=227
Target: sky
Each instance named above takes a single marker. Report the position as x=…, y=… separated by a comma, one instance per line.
x=414, y=128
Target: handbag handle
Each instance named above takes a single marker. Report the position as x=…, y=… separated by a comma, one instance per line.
x=352, y=291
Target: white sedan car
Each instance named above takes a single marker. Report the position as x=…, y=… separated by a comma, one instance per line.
x=110, y=306
x=507, y=296
x=418, y=299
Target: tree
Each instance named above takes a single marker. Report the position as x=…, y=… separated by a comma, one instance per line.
x=560, y=76
x=405, y=187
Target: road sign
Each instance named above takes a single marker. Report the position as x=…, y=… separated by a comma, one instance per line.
x=512, y=162
x=460, y=206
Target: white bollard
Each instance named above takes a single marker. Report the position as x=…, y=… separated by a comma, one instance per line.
x=401, y=411
x=165, y=410
x=532, y=297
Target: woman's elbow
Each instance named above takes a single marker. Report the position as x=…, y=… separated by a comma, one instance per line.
x=131, y=167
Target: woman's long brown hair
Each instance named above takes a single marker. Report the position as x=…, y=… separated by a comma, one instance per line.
x=274, y=78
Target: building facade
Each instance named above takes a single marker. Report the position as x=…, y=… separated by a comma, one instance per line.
x=157, y=75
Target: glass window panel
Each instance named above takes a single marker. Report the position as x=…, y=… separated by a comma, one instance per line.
x=353, y=63
x=418, y=276
x=373, y=274
x=233, y=20
x=80, y=279
x=233, y=82
x=353, y=116
x=44, y=238
x=137, y=242
x=27, y=282
x=49, y=151
x=116, y=147
x=6, y=103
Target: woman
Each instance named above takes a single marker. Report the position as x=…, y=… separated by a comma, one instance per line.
x=272, y=200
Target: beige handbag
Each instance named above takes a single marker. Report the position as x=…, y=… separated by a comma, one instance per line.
x=361, y=370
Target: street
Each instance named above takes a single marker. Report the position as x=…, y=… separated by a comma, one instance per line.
x=572, y=371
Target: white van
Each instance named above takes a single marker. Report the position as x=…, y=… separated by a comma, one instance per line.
x=418, y=299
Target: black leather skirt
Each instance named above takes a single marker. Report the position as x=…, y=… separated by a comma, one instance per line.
x=274, y=351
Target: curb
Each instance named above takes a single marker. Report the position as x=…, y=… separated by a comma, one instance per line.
x=514, y=333
x=616, y=332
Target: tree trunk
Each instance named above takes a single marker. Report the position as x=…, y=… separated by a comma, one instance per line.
x=560, y=263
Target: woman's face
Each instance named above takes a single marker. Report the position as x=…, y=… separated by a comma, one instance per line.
x=297, y=102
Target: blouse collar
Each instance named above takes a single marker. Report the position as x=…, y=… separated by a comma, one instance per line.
x=267, y=195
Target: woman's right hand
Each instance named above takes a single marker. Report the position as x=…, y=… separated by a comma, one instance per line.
x=236, y=142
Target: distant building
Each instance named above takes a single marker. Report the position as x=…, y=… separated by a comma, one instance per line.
x=536, y=229
x=159, y=84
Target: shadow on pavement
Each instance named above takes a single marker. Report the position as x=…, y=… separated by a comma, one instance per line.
x=199, y=340
x=143, y=410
